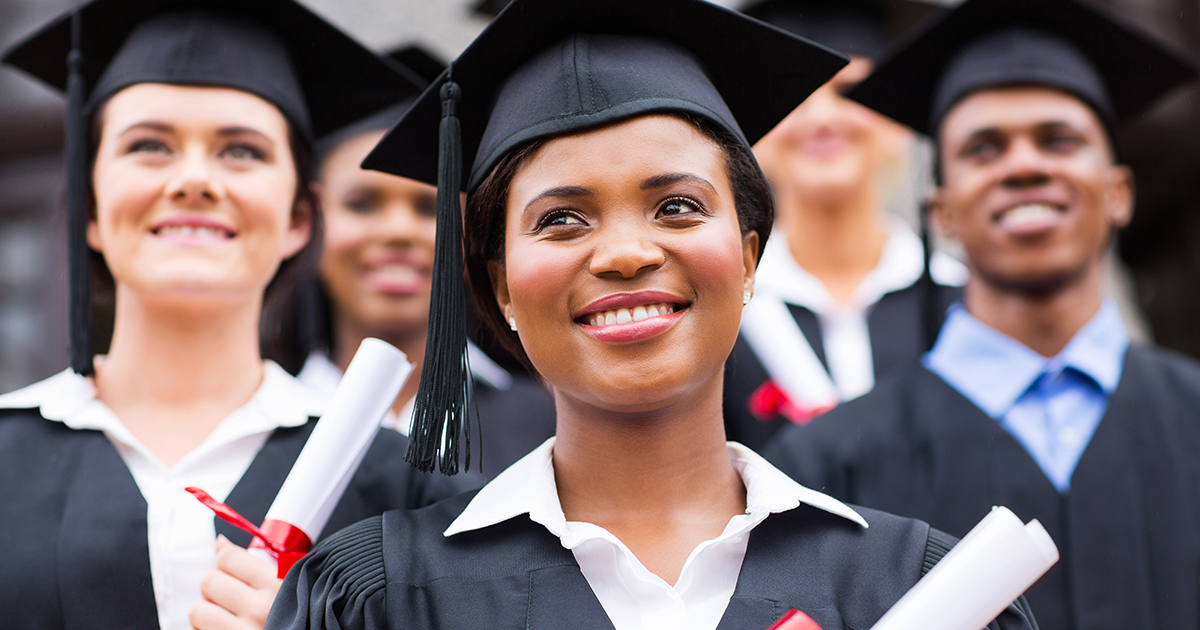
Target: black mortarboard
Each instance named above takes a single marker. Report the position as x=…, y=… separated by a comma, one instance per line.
x=1081, y=49
x=317, y=76
x=545, y=68
x=852, y=27
x=419, y=63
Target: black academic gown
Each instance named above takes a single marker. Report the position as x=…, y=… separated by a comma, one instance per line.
x=73, y=534
x=514, y=421
x=1128, y=530
x=398, y=571
x=896, y=327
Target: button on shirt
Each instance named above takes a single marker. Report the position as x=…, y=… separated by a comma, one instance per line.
x=632, y=596
x=1050, y=406
x=844, y=331
x=181, y=531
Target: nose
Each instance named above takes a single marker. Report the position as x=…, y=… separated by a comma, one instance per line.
x=1025, y=165
x=625, y=254
x=401, y=223
x=193, y=184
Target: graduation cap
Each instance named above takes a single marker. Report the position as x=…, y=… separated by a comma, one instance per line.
x=419, y=63
x=545, y=68
x=317, y=76
x=1080, y=49
x=1068, y=45
x=853, y=27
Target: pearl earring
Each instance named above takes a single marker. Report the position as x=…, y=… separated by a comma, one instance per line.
x=746, y=295
x=512, y=323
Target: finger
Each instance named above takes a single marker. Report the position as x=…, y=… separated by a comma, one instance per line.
x=235, y=596
x=208, y=616
x=245, y=566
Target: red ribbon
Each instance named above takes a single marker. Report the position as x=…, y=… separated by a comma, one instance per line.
x=283, y=540
x=769, y=400
x=795, y=620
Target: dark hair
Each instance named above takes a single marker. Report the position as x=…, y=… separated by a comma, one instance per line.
x=483, y=238
x=282, y=337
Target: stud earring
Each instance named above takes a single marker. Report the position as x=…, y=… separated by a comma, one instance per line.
x=746, y=295
x=512, y=323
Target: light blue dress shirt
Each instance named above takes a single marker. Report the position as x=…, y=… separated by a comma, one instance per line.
x=1050, y=406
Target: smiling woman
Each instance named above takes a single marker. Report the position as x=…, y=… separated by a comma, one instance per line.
x=615, y=218
x=201, y=207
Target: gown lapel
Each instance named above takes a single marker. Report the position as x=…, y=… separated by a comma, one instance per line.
x=103, y=551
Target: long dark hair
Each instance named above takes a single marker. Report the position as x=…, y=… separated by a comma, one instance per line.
x=483, y=238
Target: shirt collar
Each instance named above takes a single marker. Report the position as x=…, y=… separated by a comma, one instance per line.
x=320, y=372
x=527, y=487
x=994, y=370
x=900, y=265
x=69, y=398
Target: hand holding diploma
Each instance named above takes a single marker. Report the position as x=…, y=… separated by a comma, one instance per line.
x=329, y=458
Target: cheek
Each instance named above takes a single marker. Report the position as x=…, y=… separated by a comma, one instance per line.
x=716, y=265
x=344, y=232
x=539, y=277
x=265, y=198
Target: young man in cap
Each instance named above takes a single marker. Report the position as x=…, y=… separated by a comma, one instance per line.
x=1033, y=397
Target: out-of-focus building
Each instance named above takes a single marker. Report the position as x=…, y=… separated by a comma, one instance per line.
x=1161, y=247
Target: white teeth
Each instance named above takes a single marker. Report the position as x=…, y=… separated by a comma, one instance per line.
x=1029, y=214
x=624, y=315
x=188, y=230
x=396, y=273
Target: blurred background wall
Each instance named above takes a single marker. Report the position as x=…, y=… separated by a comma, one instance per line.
x=1161, y=248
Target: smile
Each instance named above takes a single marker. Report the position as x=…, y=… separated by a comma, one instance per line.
x=625, y=315
x=1029, y=218
x=192, y=231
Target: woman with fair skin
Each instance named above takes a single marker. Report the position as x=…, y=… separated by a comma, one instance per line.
x=376, y=278
x=842, y=302
x=201, y=210
x=614, y=254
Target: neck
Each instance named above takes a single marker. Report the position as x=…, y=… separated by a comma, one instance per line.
x=1045, y=323
x=348, y=336
x=661, y=482
x=840, y=241
x=174, y=372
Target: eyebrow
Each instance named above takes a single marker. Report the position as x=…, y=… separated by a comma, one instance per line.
x=568, y=192
x=668, y=179
x=163, y=127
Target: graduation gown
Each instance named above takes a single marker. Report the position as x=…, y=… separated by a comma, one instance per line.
x=1128, y=530
x=399, y=571
x=514, y=421
x=896, y=327
x=73, y=534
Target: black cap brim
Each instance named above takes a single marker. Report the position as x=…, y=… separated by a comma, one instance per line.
x=1137, y=68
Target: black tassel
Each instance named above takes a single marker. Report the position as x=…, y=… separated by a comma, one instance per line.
x=932, y=316
x=78, y=254
x=440, y=423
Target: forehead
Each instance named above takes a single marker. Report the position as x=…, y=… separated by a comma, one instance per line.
x=1014, y=110
x=186, y=105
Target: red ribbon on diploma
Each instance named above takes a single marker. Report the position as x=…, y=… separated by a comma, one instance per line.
x=769, y=400
x=795, y=620
x=286, y=542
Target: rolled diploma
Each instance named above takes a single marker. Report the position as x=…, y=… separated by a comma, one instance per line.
x=341, y=438
x=991, y=567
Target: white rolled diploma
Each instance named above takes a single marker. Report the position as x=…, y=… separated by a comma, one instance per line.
x=986, y=571
x=341, y=438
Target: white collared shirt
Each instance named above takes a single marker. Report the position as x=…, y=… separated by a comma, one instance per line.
x=181, y=531
x=321, y=374
x=844, y=331
x=632, y=596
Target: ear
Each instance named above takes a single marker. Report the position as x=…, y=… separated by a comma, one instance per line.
x=499, y=278
x=93, y=235
x=301, y=226
x=940, y=215
x=749, y=259
x=1120, y=195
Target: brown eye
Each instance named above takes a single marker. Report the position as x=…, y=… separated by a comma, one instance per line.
x=556, y=218
x=677, y=206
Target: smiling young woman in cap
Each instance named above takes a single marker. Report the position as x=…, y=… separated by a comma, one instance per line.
x=194, y=195
x=614, y=220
